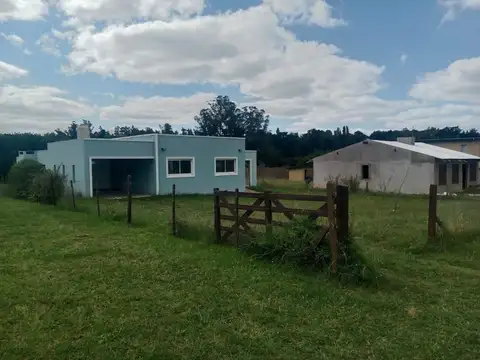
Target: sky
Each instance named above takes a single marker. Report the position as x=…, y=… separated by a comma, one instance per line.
x=370, y=64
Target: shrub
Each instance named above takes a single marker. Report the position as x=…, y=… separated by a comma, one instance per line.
x=353, y=182
x=20, y=178
x=47, y=187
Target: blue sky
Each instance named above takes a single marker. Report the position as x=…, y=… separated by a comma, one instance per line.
x=369, y=64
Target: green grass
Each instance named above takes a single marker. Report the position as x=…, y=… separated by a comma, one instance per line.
x=77, y=286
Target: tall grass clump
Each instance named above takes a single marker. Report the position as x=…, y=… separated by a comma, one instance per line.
x=299, y=243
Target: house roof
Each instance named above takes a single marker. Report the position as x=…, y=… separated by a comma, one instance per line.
x=447, y=140
x=430, y=150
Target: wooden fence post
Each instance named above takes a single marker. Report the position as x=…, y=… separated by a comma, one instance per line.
x=268, y=213
x=73, y=195
x=432, y=213
x=129, y=204
x=216, y=219
x=52, y=186
x=174, y=219
x=342, y=220
x=237, y=218
x=332, y=228
x=97, y=195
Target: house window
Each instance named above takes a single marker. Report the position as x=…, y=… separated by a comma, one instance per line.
x=226, y=166
x=365, y=172
x=73, y=173
x=455, y=173
x=442, y=174
x=180, y=167
x=63, y=170
x=463, y=147
x=473, y=171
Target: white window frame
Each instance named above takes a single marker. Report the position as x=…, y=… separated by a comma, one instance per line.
x=225, y=173
x=179, y=158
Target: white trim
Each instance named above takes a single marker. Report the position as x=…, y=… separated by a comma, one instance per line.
x=179, y=158
x=225, y=158
x=250, y=170
x=133, y=136
x=122, y=157
x=91, y=158
x=113, y=140
x=204, y=136
x=157, y=167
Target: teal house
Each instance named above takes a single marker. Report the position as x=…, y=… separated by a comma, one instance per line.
x=195, y=164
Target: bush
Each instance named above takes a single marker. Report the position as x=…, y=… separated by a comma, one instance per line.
x=353, y=182
x=47, y=187
x=20, y=178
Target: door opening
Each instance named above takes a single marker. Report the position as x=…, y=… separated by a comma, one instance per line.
x=247, y=172
x=464, y=176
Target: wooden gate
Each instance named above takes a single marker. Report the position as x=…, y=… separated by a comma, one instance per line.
x=334, y=207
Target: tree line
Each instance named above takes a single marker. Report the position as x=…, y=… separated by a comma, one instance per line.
x=222, y=117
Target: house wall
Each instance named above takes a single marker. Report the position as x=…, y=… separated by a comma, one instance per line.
x=272, y=172
x=24, y=155
x=450, y=187
x=390, y=169
x=252, y=156
x=68, y=153
x=204, y=150
x=299, y=174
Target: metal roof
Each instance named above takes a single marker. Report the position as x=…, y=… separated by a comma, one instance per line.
x=446, y=140
x=430, y=150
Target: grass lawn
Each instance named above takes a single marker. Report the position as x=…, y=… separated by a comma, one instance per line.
x=77, y=286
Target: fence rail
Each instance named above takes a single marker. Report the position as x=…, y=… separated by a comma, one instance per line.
x=334, y=207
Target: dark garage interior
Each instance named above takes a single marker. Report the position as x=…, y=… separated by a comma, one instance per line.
x=110, y=176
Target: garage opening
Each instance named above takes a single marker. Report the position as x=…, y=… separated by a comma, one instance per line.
x=109, y=176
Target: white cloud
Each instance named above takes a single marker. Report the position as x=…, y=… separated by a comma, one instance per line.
x=9, y=71
x=49, y=45
x=22, y=9
x=453, y=7
x=208, y=48
x=458, y=82
x=38, y=108
x=13, y=39
x=217, y=49
x=157, y=110
x=16, y=41
x=308, y=84
x=272, y=66
x=83, y=12
x=316, y=12
x=403, y=58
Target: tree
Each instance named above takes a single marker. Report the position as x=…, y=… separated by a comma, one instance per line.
x=185, y=131
x=222, y=117
x=167, y=129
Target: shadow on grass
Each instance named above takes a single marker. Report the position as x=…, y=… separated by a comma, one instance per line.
x=448, y=241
